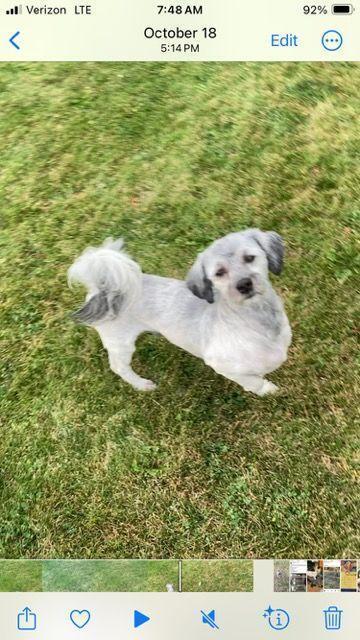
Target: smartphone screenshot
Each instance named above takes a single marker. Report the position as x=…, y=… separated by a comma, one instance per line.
x=179, y=260
x=332, y=575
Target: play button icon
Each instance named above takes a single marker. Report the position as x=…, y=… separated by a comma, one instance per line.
x=140, y=619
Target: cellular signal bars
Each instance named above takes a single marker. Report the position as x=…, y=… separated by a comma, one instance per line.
x=15, y=11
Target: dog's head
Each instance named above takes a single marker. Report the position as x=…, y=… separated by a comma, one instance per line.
x=236, y=266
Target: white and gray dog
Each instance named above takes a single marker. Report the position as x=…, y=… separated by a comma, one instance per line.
x=226, y=312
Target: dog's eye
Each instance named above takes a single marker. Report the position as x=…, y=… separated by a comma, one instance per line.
x=220, y=272
x=249, y=258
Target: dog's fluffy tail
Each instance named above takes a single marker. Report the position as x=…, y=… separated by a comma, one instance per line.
x=112, y=279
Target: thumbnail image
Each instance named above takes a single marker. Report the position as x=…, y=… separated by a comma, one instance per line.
x=358, y=575
x=331, y=575
x=20, y=575
x=298, y=569
x=281, y=576
x=348, y=575
x=217, y=575
x=110, y=575
x=315, y=576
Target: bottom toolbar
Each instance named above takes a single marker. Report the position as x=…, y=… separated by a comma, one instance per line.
x=161, y=616
x=254, y=615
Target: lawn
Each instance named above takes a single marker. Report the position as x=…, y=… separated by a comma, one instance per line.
x=89, y=575
x=217, y=575
x=20, y=575
x=110, y=575
x=171, y=156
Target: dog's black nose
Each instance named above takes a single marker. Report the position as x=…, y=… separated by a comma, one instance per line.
x=245, y=285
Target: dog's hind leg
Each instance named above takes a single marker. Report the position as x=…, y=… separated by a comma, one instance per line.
x=120, y=359
x=120, y=346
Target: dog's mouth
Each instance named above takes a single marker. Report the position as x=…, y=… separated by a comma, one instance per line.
x=252, y=294
x=242, y=296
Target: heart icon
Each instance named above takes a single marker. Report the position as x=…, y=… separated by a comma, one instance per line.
x=80, y=618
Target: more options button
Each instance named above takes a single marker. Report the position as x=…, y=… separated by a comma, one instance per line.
x=284, y=40
x=332, y=40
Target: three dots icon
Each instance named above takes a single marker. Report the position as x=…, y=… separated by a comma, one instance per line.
x=332, y=40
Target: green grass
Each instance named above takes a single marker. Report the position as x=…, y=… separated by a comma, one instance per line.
x=217, y=575
x=20, y=575
x=110, y=575
x=172, y=156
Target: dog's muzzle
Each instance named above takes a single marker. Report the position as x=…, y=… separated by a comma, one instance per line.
x=245, y=286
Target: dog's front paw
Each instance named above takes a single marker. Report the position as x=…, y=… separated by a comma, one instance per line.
x=268, y=388
x=145, y=385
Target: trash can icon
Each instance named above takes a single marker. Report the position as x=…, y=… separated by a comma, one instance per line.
x=333, y=616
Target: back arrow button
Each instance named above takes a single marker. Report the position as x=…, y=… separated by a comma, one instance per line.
x=13, y=38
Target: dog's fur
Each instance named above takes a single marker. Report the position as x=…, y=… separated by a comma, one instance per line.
x=226, y=312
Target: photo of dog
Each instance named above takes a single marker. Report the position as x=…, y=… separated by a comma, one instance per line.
x=225, y=313
x=233, y=188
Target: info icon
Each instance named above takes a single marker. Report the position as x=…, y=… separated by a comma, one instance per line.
x=278, y=619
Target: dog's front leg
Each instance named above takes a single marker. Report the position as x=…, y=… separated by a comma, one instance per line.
x=253, y=383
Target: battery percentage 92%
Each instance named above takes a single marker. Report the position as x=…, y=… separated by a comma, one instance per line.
x=315, y=9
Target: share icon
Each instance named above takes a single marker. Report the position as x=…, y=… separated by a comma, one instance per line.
x=209, y=618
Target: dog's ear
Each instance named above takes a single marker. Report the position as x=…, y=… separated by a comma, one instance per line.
x=198, y=282
x=274, y=247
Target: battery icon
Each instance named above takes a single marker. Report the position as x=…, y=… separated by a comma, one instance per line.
x=343, y=9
